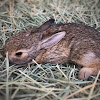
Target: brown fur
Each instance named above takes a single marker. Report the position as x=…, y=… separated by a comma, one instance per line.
x=80, y=44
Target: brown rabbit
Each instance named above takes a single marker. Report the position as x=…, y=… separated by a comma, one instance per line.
x=57, y=43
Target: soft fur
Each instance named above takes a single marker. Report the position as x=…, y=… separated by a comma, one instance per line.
x=57, y=43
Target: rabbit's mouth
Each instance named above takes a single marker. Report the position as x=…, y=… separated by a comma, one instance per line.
x=16, y=61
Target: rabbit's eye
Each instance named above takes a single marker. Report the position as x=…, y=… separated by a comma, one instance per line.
x=18, y=54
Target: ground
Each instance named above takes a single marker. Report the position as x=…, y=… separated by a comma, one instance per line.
x=45, y=81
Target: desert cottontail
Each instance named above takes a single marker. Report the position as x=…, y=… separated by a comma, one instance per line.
x=57, y=43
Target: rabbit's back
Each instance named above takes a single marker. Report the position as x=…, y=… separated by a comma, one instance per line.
x=79, y=39
x=73, y=30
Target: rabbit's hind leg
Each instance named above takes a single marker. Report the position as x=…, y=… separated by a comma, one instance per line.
x=85, y=72
x=91, y=65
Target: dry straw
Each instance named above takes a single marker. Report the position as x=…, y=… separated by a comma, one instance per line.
x=48, y=81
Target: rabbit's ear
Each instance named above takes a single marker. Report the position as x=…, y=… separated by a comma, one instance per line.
x=46, y=25
x=43, y=27
x=52, y=40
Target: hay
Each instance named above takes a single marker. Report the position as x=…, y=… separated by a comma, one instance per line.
x=49, y=81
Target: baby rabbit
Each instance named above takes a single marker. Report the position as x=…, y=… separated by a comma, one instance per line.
x=57, y=43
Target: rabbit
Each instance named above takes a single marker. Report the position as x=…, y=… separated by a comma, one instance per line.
x=58, y=44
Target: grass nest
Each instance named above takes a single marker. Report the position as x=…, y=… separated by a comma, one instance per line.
x=45, y=81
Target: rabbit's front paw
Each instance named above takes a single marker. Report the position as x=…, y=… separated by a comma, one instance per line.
x=85, y=72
